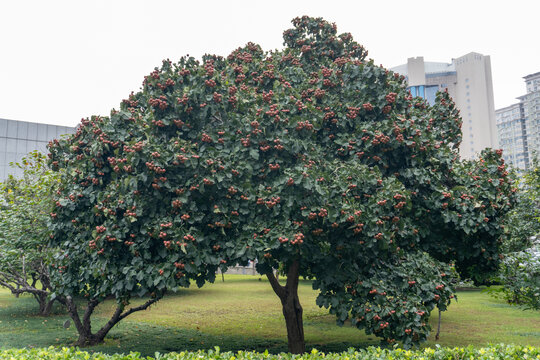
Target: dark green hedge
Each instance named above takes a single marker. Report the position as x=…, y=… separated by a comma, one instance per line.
x=492, y=352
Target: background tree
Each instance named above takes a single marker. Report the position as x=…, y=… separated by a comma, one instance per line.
x=25, y=205
x=311, y=159
x=523, y=222
x=520, y=271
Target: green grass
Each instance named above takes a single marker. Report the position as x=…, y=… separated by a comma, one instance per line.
x=244, y=313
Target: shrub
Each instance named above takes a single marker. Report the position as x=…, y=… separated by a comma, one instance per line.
x=494, y=352
x=520, y=276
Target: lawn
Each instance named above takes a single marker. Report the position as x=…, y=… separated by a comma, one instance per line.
x=244, y=313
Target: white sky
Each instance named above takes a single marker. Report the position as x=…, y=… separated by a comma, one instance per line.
x=64, y=60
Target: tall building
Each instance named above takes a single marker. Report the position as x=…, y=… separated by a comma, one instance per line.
x=518, y=126
x=531, y=105
x=18, y=138
x=469, y=83
x=512, y=133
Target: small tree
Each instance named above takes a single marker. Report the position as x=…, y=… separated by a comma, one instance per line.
x=25, y=205
x=520, y=270
x=523, y=222
x=309, y=159
x=520, y=275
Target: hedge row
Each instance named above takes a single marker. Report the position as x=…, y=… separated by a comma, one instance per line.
x=439, y=353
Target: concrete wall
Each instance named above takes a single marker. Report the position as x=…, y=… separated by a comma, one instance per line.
x=415, y=71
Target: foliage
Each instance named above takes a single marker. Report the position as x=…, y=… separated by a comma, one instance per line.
x=25, y=205
x=311, y=158
x=520, y=271
x=520, y=276
x=523, y=222
x=493, y=352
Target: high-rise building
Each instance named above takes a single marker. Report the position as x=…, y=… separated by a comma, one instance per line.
x=512, y=133
x=531, y=105
x=18, y=138
x=469, y=83
x=518, y=126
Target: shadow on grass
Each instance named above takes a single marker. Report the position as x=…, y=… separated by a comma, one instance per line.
x=147, y=339
x=20, y=326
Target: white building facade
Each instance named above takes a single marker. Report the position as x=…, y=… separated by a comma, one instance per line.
x=512, y=135
x=518, y=126
x=18, y=138
x=469, y=83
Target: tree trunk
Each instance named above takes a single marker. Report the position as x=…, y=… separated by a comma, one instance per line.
x=292, y=310
x=45, y=305
x=438, y=326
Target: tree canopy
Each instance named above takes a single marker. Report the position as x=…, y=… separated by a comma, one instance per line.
x=311, y=157
x=25, y=205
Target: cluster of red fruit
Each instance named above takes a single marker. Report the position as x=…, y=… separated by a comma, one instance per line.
x=367, y=106
x=131, y=212
x=189, y=238
x=159, y=170
x=206, y=138
x=391, y=97
x=210, y=83
x=298, y=239
x=160, y=103
x=380, y=139
x=304, y=125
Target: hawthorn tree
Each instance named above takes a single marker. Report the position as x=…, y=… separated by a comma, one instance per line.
x=25, y=204
x=311, y=159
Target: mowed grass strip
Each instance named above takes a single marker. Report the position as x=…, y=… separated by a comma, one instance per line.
x=244, y=313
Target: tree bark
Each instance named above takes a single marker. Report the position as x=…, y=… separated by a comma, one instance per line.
x=45, y=305
x=292, y=310
x=438, y=326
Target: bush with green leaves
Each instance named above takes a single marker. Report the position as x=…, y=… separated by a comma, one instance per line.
x=25, y=205
x=311, y=159
x=523, y=222
x=494, y=352
x=520, y=278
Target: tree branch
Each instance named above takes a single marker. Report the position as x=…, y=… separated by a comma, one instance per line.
x=118, y=315
x=141, y=307
x=276, y=286
x=72, y=308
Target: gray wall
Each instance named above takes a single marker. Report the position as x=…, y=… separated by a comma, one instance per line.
x=18, y=138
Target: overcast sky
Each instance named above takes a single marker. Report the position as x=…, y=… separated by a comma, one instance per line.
x=61, y=61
